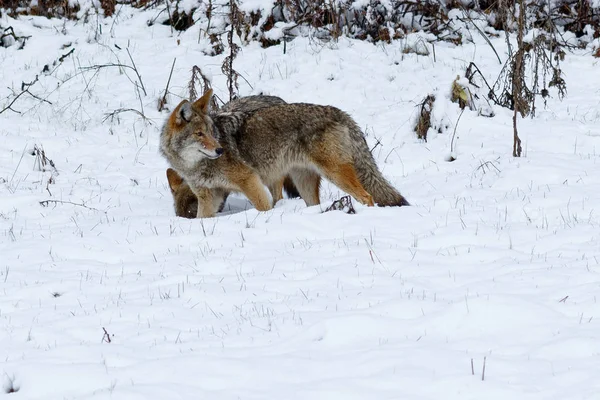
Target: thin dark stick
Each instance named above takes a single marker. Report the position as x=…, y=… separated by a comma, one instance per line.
x=136, y=72
x=121, y=110
x=483, y=371
x=24, y=89
x=454, y=133
x=163, y=101
x=516, y=138
x=106, y=336
x=483, y=35
x=170, y=17
x=472, y=64
x=91, y=67
x=46, y=203
x=19, y=163
x=99, y=66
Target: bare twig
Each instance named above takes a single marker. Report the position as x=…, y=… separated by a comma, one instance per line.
x=483, y=35
x=17, y=167
x=118, y=65
x=62, y=58
x=10, y=386
x=9, y=31
x=470, y=73
x=163, y=100
x=454, y=133
x=487, y=164
x=372, y=252
x=106, y=337
x=48, y=183
x=375, y=146
x=113, y=114
x=24, y=89
x=41, y=160
x=483, y=370
x=136, y=72
x=46, y=203
x=170, y=17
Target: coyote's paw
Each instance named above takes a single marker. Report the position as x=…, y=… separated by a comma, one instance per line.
x=263, y=206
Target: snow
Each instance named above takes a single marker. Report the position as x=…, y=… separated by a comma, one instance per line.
x=497, y=261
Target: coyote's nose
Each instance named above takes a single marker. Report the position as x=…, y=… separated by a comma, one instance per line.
x=219, y=151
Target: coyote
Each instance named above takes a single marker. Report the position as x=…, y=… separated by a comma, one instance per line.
x=186, y=202
x=237, y=151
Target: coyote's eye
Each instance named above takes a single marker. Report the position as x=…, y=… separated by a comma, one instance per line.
x=199, y=133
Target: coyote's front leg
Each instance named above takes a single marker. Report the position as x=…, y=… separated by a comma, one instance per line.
x=251, y=185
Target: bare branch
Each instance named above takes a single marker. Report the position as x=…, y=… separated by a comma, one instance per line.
x=163, y=100
x=46, y=203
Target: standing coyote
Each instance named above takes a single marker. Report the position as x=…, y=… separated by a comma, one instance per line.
x=186, y=202
x=236, y=151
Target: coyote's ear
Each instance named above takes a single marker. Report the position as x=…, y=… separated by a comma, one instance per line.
x=203, y=103
x=185, y=112
x=174, y=179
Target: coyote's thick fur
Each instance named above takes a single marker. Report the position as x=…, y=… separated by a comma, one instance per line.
x=186, y=202
x=237, y=151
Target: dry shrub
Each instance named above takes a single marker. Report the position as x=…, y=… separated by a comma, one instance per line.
x=419, y=48
x=460, y=94
x=44, y=8
x=8, y=37
x=216, y=44
x=108, y=6
x=180, y=20
x=540, y=65
x=344, y=204
x=198, y=77
x=424, y=119
x=373, y=20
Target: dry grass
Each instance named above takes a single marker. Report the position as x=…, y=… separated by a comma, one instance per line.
x=344, y=204
x=460, y=94
x=424, y=119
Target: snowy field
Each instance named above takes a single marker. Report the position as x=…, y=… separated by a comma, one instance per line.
x=104, y=293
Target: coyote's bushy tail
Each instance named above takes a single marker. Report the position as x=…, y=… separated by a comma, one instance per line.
x=384, y=194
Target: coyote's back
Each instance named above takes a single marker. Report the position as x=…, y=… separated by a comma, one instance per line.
x=250, y=104
x=304, y=135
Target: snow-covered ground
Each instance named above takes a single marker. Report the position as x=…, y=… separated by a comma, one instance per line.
x=497, y=261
